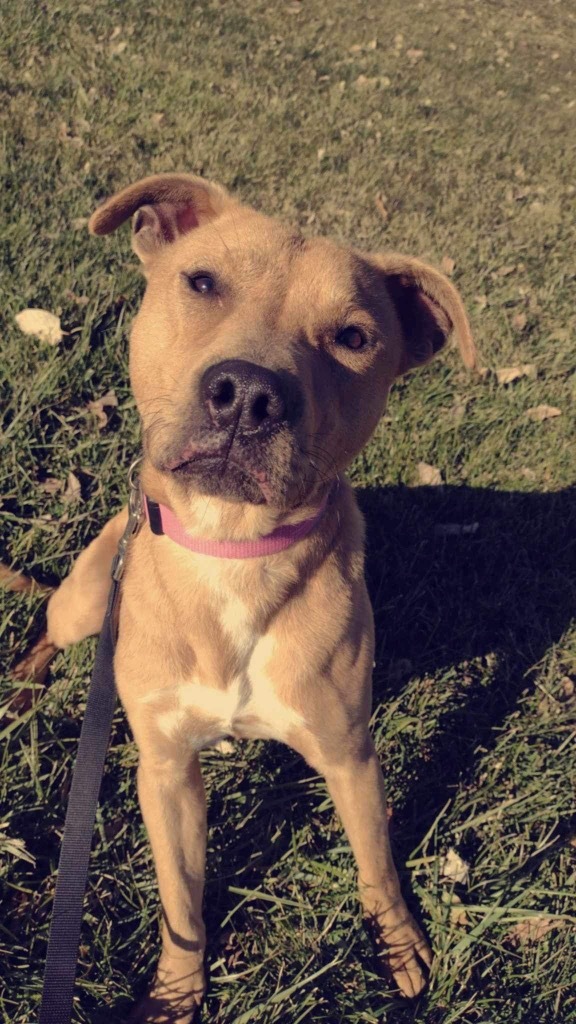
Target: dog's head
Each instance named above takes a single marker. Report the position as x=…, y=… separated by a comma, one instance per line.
x=261, y=360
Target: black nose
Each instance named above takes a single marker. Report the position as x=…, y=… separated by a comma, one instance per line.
x=236, y=391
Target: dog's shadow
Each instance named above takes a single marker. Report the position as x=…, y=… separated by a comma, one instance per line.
x=459, y=578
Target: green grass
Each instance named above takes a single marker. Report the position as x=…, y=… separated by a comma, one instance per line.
x=470, y=145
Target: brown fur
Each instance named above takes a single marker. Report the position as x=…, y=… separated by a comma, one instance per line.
x=280, y=645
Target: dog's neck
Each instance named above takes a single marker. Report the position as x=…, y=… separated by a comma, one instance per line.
x=213, y=519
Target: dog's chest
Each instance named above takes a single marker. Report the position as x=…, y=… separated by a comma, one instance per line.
x=248, y=705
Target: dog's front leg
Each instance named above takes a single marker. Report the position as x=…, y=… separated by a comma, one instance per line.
x=357, y=788
x=174, y=810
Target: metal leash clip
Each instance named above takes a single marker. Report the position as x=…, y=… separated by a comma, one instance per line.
x=135, y=517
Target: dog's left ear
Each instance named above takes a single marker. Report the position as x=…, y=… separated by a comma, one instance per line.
x=429, y=309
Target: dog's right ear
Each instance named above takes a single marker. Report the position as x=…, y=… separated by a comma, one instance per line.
x=163, y=206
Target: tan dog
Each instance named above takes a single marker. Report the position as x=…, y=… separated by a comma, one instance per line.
x=260, y=363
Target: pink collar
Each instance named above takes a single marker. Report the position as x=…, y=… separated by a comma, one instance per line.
x=163, y=522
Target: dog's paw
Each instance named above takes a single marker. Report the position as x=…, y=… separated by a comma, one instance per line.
x=176, y=993
x=404, y=956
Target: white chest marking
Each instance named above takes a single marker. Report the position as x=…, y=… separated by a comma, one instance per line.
x=249, y=707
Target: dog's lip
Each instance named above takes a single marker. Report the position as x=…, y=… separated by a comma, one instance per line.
x=191, y=455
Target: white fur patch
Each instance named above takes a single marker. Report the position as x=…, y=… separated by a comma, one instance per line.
x=248, y=708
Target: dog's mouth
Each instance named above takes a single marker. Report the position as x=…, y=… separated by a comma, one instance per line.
x=224, y=473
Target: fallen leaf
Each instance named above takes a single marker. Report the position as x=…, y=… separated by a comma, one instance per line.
x=224, y=747
x=543, y=412
x=381, y=208
x=457, y=911
x=158, y=118
x=428, y=475
x=454, y=868
x=79, y=222
x=506, y=374
x=566, y=688
x=519, y=321
x=117, y=48
x=481, y=301
x=533, y=929
x=99, y=405
x=399, y=670
x=363, y=82
x=414, y=55
x=506, y=271
x=320, y=154
x=455, y=529
x=41, y=324
x=80, y=300
x=51, y=485
x=73, y=491
x=447, y=265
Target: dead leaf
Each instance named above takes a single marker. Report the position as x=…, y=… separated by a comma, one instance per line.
x=51, y=485
x=99, y=405
x=379, y=200
x=80, y=300
x=363, y=82
x=505, y=271
x=481, y=301
x=429, y=475
x=506, y=374
x=454, y=868
x=224, y=747
x=117, y=48
x=566, y=688
x=399, y=670
x=79, y=222
x=447, y=265
x=455, y=529
x=41, y=324
x=414, y=55
x=543, y=412
x=458, y=914
x=320, y=154
x=533, y=929
x=73, y=491
x=158, y=118
x=519, y=321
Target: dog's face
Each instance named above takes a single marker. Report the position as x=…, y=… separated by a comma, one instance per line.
x=260, y=360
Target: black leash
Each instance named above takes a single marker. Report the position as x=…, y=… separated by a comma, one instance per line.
x=64, y=939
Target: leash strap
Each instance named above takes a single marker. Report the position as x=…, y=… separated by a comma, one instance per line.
x=64, y=940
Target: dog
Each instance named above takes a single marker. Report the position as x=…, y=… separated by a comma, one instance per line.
x=260, y=362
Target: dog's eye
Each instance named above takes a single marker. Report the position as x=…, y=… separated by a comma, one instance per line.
x=352, y=338
x=201, y=283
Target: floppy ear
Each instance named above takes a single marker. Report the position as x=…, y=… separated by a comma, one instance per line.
x=429, y=309
x=165, y=206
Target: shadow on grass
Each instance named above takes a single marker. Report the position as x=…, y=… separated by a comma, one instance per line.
x=501, y=592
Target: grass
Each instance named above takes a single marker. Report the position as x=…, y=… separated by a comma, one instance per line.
x=468, y=144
